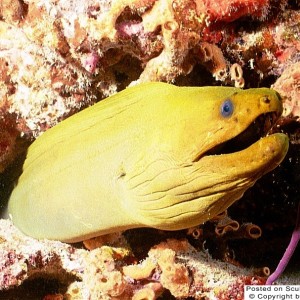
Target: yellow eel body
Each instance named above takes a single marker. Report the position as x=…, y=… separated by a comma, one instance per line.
x=145, y=157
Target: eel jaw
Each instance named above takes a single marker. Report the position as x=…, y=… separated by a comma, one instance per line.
x=258, y=129
x=238, y=163
x=251, y=154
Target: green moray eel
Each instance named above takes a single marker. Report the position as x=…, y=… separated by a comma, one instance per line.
x=154, y=155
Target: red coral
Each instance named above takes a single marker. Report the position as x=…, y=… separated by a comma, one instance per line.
x=230, y=10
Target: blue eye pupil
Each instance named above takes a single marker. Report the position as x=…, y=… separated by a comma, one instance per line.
x=227, y=108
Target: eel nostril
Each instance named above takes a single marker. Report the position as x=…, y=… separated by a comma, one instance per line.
x=265, y=99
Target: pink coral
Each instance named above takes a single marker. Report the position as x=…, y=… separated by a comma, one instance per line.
x=91, y=62
x=130, y=29
x=288, y=85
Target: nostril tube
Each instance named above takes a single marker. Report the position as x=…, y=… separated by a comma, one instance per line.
x=265, y=100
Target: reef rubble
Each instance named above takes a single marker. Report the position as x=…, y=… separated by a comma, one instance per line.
x=114, y=273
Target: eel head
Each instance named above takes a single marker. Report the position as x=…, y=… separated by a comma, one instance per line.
x=220, y=147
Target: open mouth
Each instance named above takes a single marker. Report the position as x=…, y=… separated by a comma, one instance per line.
x=262, y=126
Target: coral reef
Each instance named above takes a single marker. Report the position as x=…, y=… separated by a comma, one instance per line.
x=288, y=86
x=57, y=57
x=37, y=86
x=113, y=273
x=265, y=50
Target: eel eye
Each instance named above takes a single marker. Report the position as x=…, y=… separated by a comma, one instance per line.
x=227, y=108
